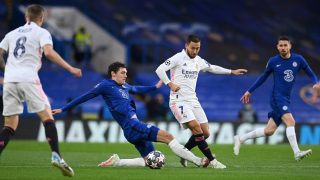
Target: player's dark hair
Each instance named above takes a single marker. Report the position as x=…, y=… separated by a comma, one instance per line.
x=284, y=38
x=114, y=67
x=34, y=12
x=193, y=38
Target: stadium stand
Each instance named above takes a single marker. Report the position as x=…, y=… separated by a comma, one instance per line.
x=236, y=33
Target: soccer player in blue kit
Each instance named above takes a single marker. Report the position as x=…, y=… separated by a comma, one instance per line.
x=115, y=91
x=285, y=68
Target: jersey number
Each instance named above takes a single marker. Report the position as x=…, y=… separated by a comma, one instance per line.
x=181, y=107
x=20, y=49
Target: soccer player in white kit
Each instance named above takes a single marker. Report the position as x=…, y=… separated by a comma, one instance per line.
x=184, y=70
x=24, y=47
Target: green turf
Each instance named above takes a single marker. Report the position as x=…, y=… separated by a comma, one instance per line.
x=31, y=160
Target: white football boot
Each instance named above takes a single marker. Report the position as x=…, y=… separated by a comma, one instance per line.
x=237, y=145
x=58, y=162
x=302, y=154
x=112, y=161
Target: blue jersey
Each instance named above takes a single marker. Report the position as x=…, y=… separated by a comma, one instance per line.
x=284, y=73
x=120, y=104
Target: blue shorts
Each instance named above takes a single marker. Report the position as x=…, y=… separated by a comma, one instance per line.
x=141, y=135
x=279, y=108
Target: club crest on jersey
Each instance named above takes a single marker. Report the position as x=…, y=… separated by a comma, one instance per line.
x=124, y=93
x=285, y=108
x=294, y=64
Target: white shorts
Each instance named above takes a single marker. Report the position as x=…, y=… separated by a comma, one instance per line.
x=185, y=111
x=14, y=94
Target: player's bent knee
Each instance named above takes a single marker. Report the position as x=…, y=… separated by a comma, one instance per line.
x=269, y=132
x=206, y=135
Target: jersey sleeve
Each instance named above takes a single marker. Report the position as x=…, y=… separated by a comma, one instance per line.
x=45, y=38
x=207, y=67
x=263, y=77
x=140, y=89
x=5, y=44
x=305, y=66
x=164, y=67
x=97, y=90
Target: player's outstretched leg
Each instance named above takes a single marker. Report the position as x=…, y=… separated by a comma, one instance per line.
x=240, y=139
x=58, y=162
x=114, y=160
x=302, y=154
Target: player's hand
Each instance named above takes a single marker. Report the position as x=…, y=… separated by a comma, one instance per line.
x=239, y=71
x=316, y=93
x=174, y=87
x=316, y=87
x=76, y=72
x=56, y=111
x=159, y=84
x=245, y=99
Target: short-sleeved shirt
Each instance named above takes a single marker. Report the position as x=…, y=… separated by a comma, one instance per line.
x=24, y=46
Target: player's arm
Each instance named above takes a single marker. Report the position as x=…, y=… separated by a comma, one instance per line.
x=309, y=71
x=2, y=64
x=52, y=55
x=144, y=89
x=79, y=100
x=207, y=67
x=161, y=72
x=246, y=96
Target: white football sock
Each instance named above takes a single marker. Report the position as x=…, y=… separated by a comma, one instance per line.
x=131, y=162
x=253, y=134
x=291, y=135
x=183, y=152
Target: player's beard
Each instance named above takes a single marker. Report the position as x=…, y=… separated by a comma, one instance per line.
x=190, y=55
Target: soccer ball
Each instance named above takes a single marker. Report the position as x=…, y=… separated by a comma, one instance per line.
x=155, y=160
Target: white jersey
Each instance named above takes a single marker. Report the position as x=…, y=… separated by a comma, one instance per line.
x=24, y=47
x=184, y=72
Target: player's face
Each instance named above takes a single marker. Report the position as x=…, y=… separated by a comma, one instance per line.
x=284, y=48
x=193, y=49
x=121, y=76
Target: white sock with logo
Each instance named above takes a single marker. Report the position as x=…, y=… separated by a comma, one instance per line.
x=253, y=134
x=131, y=162
x=291, y=135
x=183, y=152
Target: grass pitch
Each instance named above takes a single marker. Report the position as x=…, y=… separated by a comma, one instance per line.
x=31, y=160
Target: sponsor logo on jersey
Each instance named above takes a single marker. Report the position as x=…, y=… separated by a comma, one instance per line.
x=278, y=65
x=167, y=62
x=189, y=74
x=288, y=75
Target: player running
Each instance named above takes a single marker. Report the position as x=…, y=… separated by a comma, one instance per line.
x=285, y=68
x=25, y=46
x=115, y=91
x=184, y=69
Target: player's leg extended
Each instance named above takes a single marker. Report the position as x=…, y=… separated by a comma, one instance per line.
x=115, y=161
x=291, y=135
x=10, y=126
x=260, y=132
x=202, y=145
x=52, y=138
x=177, y=148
